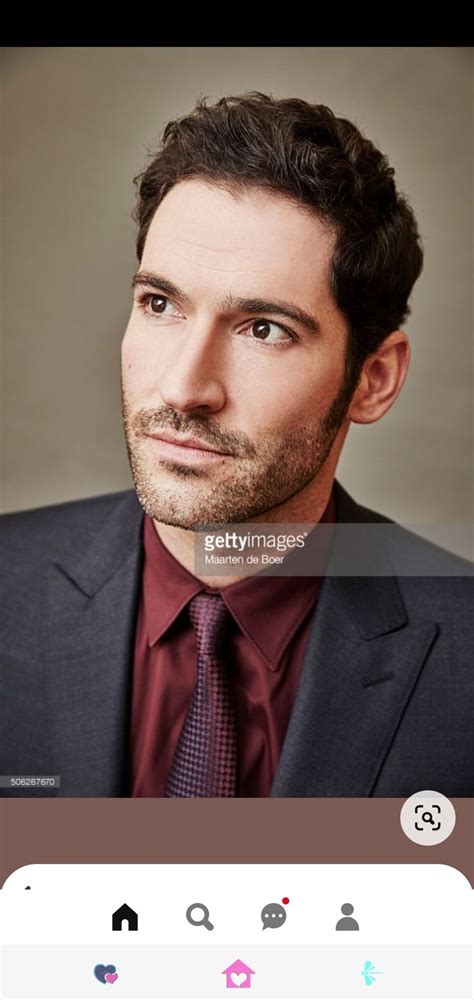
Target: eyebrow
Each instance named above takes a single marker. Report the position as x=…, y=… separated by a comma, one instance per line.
x=231, y=303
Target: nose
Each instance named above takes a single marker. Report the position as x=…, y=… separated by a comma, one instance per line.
x=193, y=375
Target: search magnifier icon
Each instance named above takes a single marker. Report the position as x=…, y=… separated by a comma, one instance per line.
x=198, y=915
x=427, y=817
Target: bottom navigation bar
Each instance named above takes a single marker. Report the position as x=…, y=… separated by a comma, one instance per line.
x=201, y=973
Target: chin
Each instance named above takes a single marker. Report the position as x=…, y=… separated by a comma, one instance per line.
x=168, y=508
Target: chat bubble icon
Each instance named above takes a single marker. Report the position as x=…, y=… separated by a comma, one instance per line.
x=273, y=915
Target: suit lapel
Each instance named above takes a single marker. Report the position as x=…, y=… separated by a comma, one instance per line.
x=362, y=662
x=91, y=621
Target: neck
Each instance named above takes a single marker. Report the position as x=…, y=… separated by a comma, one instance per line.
x=307, y=506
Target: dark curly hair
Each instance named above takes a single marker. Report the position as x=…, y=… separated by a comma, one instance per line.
x=320, y=161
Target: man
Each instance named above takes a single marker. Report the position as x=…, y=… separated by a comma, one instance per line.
x=276, y=259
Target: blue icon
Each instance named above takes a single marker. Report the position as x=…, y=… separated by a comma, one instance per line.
x=369, y=972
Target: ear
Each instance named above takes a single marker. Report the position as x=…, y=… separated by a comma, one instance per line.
x=382, y=377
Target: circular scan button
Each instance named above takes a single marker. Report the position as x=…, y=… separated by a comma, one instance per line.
x=428, y=818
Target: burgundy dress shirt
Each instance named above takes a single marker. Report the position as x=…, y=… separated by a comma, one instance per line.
x=271, y=621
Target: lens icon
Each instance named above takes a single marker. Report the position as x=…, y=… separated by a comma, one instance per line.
x=198, y=915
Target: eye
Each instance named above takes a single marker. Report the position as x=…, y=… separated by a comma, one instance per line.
x=261, y=329
x=154, y=304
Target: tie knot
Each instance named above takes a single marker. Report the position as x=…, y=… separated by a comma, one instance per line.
x=210, y=618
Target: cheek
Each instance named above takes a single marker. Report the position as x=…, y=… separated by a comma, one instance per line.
x=295, y=394
x=139, y=376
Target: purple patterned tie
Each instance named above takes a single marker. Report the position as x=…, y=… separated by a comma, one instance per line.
x=205, y=761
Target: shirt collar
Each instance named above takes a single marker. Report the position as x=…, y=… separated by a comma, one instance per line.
x=255, y=603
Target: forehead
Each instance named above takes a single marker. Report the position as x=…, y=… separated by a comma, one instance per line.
x=210, y=240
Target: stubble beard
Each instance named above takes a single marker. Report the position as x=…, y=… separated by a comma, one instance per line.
x=256, y=479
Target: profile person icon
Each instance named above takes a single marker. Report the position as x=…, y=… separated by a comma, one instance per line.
x=347, y=922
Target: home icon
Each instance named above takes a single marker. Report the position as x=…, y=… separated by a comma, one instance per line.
x=238, y=976
x=125, y=912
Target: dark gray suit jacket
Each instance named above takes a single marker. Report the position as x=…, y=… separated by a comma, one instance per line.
x=385, y=701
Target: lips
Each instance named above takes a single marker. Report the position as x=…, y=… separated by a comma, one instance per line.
x=186, y=442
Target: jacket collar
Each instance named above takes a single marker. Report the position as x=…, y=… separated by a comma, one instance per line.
x=114, y=541
x=361, y=665
x=92, y=601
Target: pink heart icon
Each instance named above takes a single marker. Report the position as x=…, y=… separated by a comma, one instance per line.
x=111, y=977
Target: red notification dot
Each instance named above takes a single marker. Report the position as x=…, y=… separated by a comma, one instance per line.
x=285, y=899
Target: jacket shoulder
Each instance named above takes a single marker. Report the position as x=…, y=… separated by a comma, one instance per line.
x=405, y=552
x=43, y=531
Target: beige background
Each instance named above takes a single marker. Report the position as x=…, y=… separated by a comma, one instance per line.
x=77, y=125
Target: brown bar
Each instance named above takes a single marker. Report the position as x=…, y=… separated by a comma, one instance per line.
x=152, y=831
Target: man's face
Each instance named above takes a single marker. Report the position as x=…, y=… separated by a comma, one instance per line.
x=231, y=406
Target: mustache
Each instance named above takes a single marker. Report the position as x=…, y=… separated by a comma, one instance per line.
x=164, y=418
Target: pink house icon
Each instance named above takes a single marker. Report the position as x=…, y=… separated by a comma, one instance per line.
x=238, y=976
